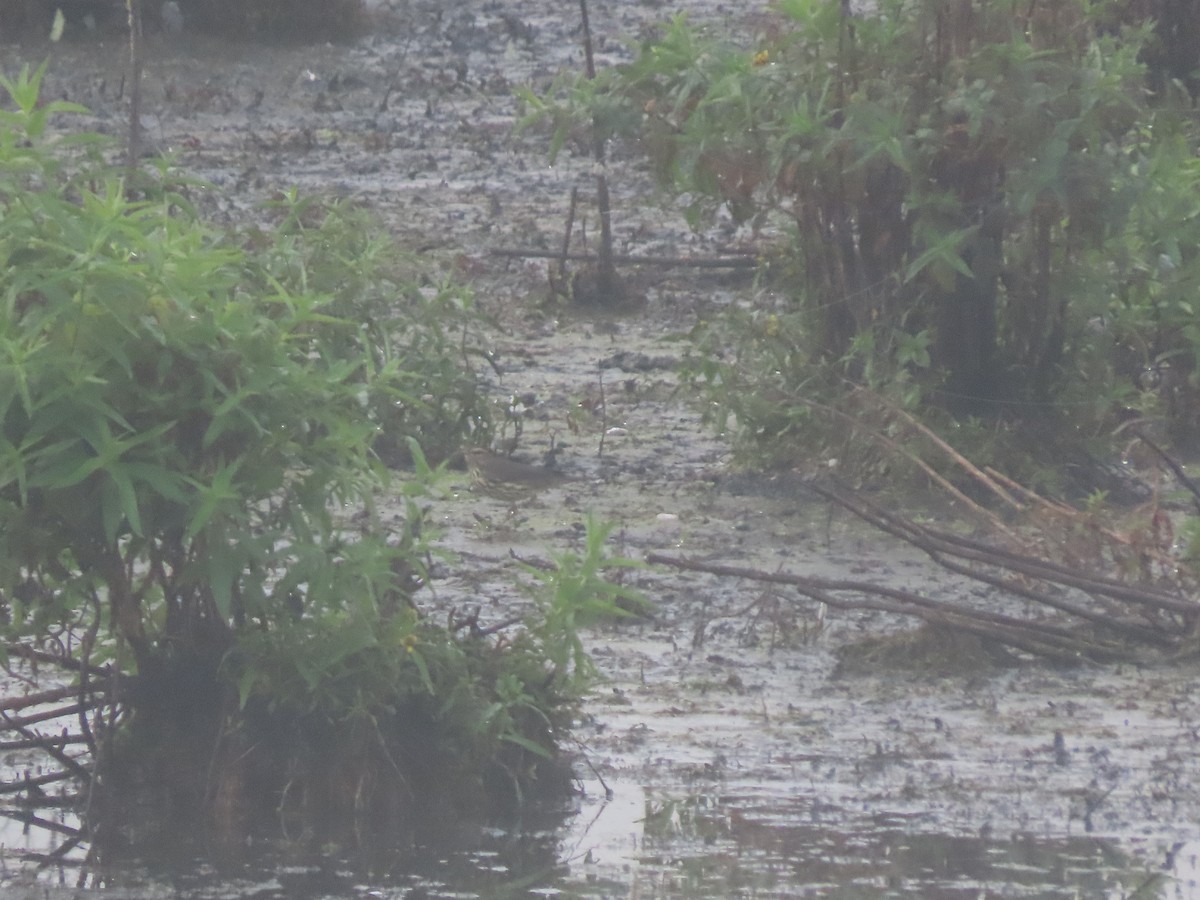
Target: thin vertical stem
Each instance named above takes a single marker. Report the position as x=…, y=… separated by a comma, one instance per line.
x=134, y=9
x=607, y=268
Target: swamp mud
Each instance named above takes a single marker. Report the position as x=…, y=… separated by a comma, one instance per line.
x=745, y=742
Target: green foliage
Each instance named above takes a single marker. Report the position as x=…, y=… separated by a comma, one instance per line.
x=179, y=418
x=575, y=594
x=188, y=419
x=420, y=381
x=970, y=189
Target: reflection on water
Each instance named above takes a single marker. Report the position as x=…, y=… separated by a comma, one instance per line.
x=633, y=844
x=715, y=845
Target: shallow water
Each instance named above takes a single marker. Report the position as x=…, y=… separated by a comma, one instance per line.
x=738, y=765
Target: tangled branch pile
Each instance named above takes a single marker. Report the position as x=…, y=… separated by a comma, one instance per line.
x=1070, y=584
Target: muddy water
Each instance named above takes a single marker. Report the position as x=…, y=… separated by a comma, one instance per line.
x=723, y=755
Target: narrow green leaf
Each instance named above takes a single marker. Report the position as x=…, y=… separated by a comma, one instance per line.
x=520, y=740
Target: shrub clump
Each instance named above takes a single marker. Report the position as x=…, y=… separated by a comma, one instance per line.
x=991, y=216
x=188, y=419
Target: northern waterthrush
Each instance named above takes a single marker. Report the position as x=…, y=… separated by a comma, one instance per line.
x=507, y=479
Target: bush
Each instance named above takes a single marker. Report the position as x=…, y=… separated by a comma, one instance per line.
x=187, y=419
x=974, y=194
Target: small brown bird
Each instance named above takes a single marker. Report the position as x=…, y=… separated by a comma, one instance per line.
x=507, y=479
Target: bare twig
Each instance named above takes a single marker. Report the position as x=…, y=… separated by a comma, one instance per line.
x=605, y=267
x=23, y=721
x=15, y=787
x=33, y=654
x=134, y=9
x=28, y=818
x=565, y=255
x=1045, y=639
x=603, y=413
x=902, y=450
x=37, y=742
x=940, y=544
x=51, y=695
x=53, y=747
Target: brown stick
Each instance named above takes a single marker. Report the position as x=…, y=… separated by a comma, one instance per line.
x=565, y=255
x=9, y=704
x=1044, y=640
x=905, y=600
x=54, y=749
x=24, y=815
x=24, y=651
x=898, y=448
x=964, y=463
x=7, y=723
x=935, y=541
x=15, y=787
x=134, y=9
x=35, y=743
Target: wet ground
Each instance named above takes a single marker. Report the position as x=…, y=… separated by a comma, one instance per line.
x=724, y=754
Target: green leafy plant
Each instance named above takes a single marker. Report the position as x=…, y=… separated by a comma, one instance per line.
x=969, y=191
x=575, y=594
x=189, y=417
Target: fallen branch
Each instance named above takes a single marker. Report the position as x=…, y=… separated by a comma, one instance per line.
x=1048, y=639
x=900, y=449
x=1079, y=615
x=28, y=818
x=15, y=787
x=73, y=710
x=941, y=545
x=39, y=742
x=11, y=704
x=70, y=663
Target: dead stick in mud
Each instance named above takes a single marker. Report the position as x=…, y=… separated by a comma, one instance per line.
x=1073, y=516
x=901, y=601
x=134, y=9
x=946, y=549
x=52, y=748
x=964, y=463
x=628, y=259
x=26, y=817
x=605, y=268
x=603, y=413
x=1018, y=497
x=899, y=449
x=10, y=704
x=1030, y=643
x=24, y=651
x=15, y=787
x=1160, y=637
x=566, y=244
x=1044, y=638
x=36, y=742
x=935, y=541
x=11, y=724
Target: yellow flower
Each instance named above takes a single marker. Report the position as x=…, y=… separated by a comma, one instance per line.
x=762, y=57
